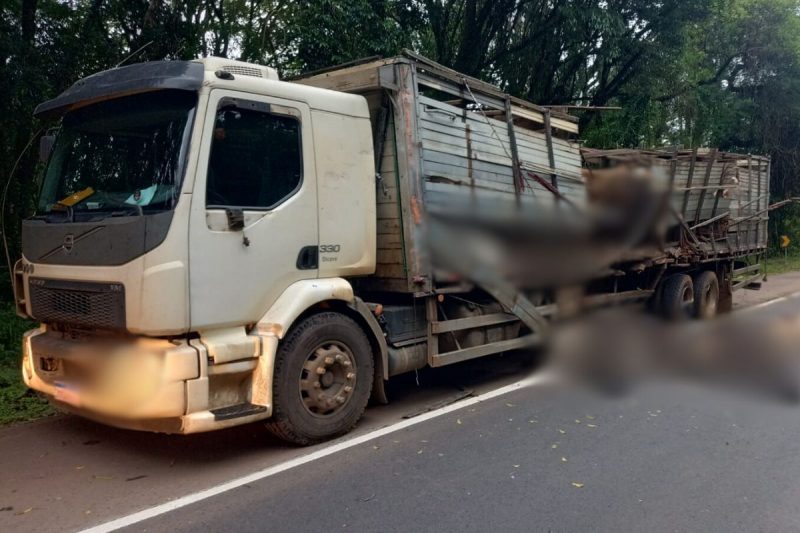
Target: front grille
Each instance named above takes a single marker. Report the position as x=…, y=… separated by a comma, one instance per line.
x=78, y=303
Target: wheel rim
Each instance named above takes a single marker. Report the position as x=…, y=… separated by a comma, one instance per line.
x=328, y=379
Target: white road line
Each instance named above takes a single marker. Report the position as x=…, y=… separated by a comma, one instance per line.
x=771, y=302
x=135, y=518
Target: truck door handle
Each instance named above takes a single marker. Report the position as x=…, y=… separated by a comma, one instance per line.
x=308, y=258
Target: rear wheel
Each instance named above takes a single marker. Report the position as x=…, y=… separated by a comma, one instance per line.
x=677, y=297
x=322, y=380
x=706, y=295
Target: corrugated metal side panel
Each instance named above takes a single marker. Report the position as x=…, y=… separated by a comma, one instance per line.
x=466, y=153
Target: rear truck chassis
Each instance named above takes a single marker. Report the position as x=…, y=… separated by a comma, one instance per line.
x=408, y=318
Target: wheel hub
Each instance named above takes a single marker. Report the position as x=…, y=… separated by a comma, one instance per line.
x=328, y=379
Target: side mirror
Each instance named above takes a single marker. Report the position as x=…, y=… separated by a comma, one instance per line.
x=46, y=143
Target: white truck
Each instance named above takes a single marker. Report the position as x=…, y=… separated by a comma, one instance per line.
x=214, y=246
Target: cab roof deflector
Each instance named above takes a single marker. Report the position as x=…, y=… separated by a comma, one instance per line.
x=131, y=79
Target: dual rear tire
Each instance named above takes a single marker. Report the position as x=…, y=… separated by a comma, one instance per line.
x=681, y=297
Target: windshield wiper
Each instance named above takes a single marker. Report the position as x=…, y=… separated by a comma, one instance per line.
x=127, y=208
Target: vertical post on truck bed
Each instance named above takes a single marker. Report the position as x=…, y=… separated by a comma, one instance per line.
x=673, y=167
x=432, y=316
x=758, y=201
x=409, y=159
x=689, y=180
x=548, y=133
x=712, y=158
x=719, y=191
x=751, y=242
x=512, y=137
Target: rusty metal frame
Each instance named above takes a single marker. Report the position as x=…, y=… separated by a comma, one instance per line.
x=512, y=137
x=548, y=132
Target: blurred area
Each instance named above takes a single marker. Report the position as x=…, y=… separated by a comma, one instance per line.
x=754, y=353
x=557, y=240
x=643, y=221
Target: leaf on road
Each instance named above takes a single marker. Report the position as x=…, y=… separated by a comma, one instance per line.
x=577, y=485
x=589, y=417
x=26, y=511
x=590, y=426
x=563, y=459
x=562, y=431
x=458, y=421
x=577, y=421
x=79, y=467
x=509, y=405
x=554, y=446
x=136, y=478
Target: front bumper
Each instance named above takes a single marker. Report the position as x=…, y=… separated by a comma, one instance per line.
x=142, y=384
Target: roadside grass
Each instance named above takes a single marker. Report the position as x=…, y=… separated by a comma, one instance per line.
x=17, y=402
x=781, y=264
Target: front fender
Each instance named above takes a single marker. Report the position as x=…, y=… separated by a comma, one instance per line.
x=299, y=297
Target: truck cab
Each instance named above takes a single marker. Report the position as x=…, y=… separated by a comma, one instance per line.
x=190, y=212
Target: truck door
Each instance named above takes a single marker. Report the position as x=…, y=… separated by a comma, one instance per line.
x=253, y=228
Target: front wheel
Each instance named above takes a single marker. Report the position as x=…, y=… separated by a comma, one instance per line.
x=322, y=379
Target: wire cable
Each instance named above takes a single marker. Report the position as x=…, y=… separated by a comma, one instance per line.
x=3, y=207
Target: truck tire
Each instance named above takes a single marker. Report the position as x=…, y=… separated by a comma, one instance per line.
x=677, y=297
x=322, y=379
x=706, y=295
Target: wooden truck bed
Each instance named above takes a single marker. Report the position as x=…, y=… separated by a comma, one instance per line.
x=435, y=146
x=719, y=201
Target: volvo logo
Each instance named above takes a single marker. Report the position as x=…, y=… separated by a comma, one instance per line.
x=69, y=242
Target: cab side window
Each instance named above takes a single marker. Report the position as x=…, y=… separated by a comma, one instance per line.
x=256, y=158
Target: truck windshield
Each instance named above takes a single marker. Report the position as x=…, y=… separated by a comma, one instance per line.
x=124, y=154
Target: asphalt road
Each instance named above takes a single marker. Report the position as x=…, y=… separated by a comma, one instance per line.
x=669, y=459
x=669, y=456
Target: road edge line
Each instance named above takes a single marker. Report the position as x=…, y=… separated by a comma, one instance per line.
x=336, y=447
x=770, y=303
